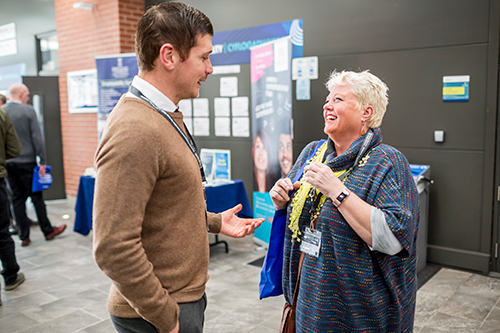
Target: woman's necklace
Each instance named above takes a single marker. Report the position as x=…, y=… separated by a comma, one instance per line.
x=301, y=195
x=306, y=190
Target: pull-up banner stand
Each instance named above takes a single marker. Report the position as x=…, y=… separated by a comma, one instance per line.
x=271, y=84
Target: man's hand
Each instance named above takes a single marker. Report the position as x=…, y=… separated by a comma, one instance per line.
x=41, y=171
x=236, y=227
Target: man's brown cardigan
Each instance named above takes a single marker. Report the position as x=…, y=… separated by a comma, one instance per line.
x=150, y=233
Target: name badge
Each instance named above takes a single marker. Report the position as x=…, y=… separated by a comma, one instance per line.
x=311, y=242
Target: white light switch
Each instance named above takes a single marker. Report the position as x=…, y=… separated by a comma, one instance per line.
x=438, y=136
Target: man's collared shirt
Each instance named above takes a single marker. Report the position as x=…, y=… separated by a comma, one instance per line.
x=151, y=92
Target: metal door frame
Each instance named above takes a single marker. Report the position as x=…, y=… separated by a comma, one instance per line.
x=492, y=137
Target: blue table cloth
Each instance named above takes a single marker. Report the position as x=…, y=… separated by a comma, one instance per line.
x=83, y=207
x=224, y=196
x=219, y=198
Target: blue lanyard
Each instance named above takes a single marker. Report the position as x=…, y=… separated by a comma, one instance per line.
x=188, y=139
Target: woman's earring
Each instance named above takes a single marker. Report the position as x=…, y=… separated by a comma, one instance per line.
x=363, y=128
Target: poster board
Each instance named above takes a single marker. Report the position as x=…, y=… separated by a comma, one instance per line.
x=217, y=165
x=82, y=91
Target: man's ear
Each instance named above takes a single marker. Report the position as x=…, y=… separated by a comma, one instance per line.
x=167, y=56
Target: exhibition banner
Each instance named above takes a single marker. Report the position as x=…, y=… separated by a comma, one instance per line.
x=271, y=84
x=233, y=46
x=114, y=75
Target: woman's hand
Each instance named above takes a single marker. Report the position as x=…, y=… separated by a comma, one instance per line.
x=279, y=192
x=322, y=178
x=354, y=210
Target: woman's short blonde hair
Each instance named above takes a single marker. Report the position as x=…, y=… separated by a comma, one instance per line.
x=369, y=90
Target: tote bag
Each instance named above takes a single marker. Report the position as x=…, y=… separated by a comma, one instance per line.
x=270, y=274
x=41, y=183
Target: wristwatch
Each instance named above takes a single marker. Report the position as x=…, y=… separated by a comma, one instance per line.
x=341, y=197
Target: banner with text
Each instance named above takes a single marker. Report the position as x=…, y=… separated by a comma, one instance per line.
x=114, y=75
x=233, y=46
x=271, y=84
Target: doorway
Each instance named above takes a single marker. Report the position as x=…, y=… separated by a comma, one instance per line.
x=44, y=92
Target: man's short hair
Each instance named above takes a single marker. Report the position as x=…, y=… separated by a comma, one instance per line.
x=169, y=22
x=3, y=99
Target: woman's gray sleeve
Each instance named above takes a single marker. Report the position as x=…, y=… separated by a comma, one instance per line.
x=383, y=239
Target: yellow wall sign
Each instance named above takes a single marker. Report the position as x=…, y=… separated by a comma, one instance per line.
x=456, y=88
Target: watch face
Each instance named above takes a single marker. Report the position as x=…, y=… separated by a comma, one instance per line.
x=341, y=197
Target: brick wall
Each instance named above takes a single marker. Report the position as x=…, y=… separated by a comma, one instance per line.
x=82, y=35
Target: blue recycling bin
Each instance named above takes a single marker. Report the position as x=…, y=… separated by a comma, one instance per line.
x=422, y=177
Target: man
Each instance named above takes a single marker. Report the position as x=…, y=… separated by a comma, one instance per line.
x=285, y=154
x=20, y=169
x=9, y=147
x=150, y=221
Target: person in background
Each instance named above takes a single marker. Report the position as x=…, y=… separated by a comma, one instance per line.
x=20, y=169
x=12, y=228
x=9, y=147
x=356, y=213
x=285, y=154
x=150, y=220
x=264, y=175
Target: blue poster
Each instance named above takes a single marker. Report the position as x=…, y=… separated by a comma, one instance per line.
x=222, y=166
x=271, y=83
x=114, y=75
x=233, y=46
x=263, y=207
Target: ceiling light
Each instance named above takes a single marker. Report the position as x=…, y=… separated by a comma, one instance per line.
x=84, y=5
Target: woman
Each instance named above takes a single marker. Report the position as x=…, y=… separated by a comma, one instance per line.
x=358, y=199
x=263, y=174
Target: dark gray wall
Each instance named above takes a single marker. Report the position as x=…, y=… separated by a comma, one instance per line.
x=241, y=148
x=411, y=45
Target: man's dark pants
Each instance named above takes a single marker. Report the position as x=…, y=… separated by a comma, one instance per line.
x=20, y=176
x=191, y=320
x=7, y=249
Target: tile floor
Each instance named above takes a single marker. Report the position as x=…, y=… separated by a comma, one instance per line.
x=65, y=291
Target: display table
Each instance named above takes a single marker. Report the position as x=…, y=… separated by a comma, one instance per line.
x=83, y=206
x=219, y=198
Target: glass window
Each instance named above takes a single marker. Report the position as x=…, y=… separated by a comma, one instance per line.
x=47, y=48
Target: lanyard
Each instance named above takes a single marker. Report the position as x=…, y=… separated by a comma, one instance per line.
x=343, y=176
x=361, y=152
x=188, y=139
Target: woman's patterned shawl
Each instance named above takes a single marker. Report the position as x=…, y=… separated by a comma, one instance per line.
x=350, y=288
